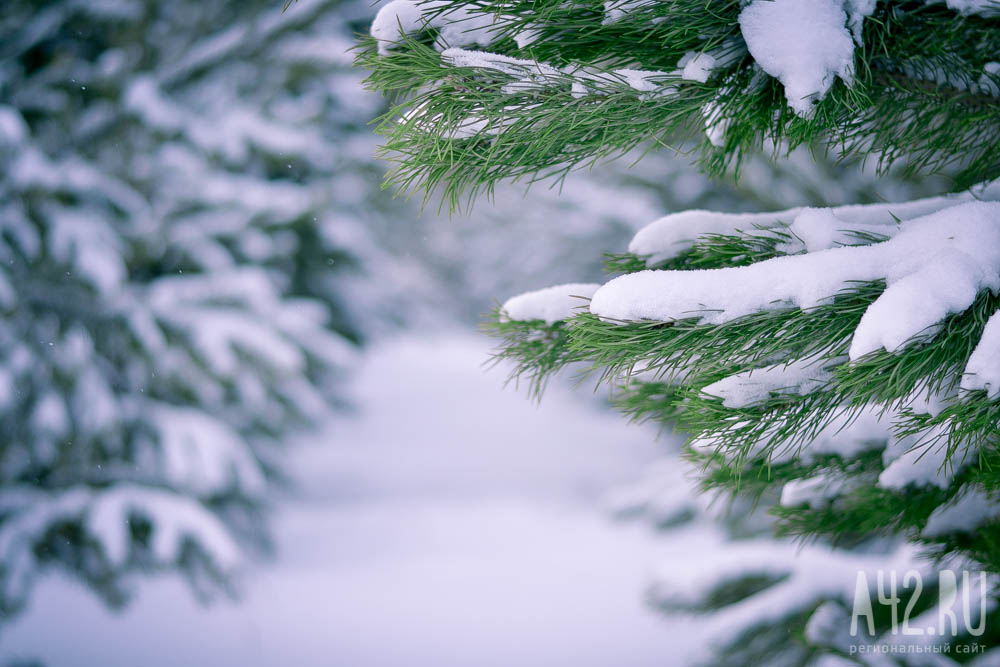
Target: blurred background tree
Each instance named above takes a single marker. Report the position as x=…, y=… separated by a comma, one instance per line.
x=182, y=250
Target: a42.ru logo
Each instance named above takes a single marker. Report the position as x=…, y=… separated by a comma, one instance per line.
x=960, y=608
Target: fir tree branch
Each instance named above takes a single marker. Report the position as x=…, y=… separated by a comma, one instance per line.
x=897, y=110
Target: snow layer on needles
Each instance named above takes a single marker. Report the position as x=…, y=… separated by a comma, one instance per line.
x=847, y=434
x=920, y=466
x=551, y=304
x=933, y=266
x=398, y=18
x=533, y=75
x=815, y=573
x=176, y=521
x=857, y=11
x=665, y=493
x=850, y=433
x=672, y=234
x=814, y=491
x=506, y=64
x=616, y=10
x=744, y=389
x=457, y=26
x=964, y=515
x=807, y=44
x=983, y=7
x=982, y=371
x=803, y=43
x=697, y=66
x=202, y=454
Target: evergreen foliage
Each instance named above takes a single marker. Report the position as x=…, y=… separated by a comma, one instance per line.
x=568, y=101
x=873, y=452
x=179, y=196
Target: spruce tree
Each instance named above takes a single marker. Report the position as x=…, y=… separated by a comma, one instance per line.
x=181, y=190
x=842, y=361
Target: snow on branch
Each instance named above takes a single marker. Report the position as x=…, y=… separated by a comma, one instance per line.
x=934, y=265
x=551, y=304
x=800, y=577
x=813, y=229
x=458, y=25
x=803, y=43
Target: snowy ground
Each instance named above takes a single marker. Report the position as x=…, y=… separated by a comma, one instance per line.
x=449, y=522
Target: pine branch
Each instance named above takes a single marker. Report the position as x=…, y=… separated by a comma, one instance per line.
x=896, y=111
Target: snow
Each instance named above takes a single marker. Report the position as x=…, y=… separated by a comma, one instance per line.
x=921, y=466
x=616, y=10
x=697, y=66
x=831, y=660
x=50, y=415
x=31, y=168
x=29, y=514
x=988, y=82
x=397, y=18
x=526, y=38
x=933, y=266
x=925, y=401
x=857, y=12
x=715, y=124
x=7, y=388
x=802, y=376
x=917, y=302
x=201, y=454
x=811, y=574
x=530, y=74
x=803, y=43
x=329, y=50
x=666, y=491
x=461, y=26
x=982, y=371
x=850, y=433
x=450, y=523
x=820, y=229
x=533, y=75
x=551, y=304
x=13, y=129
x=457, y=26
x=89, y=245
x=176, y=521
x=971, y=509
x=983, y=7
x=828, y=626
x=94, y=405
x=672, y=234
x=245, y=127
x=220, y=335
x=240, y=311
x=813, y=491
x=643, y=80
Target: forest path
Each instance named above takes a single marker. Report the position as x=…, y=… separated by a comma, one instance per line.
x=447, y=522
